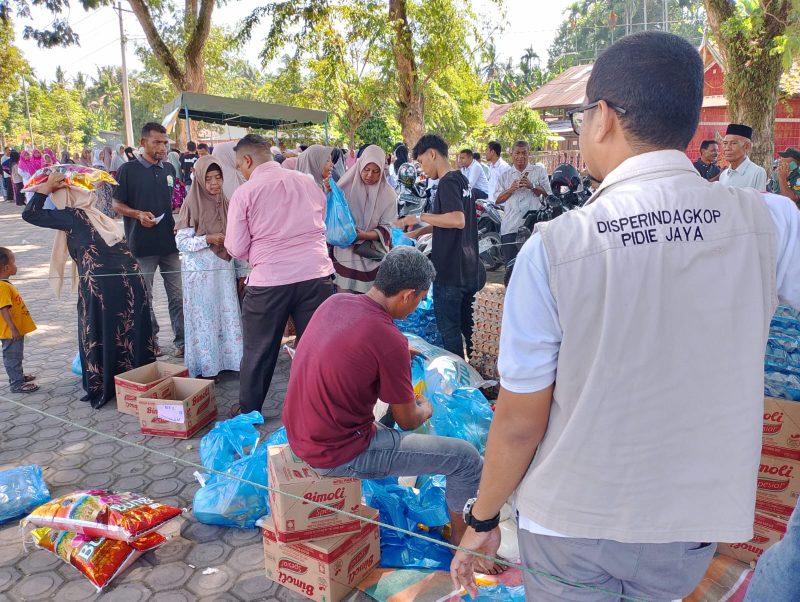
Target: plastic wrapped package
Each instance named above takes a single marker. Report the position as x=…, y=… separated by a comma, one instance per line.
x=444, y=371
x=340, y=227
x=230, y=440
x=422, y=322
x=782, y=386
x=464, y=414
x=499, y=593
x=77, y=176
x=783, y=354
x=228, y=502
x=76, y=365
x=399, y=239
x=21, y=490
x=100, y=513
x=99, y=560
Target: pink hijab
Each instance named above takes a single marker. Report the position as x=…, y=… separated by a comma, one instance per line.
x=370, y=205
x=29, y=162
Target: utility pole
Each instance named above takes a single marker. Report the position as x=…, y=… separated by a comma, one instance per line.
x=666, y=17
x=27, y=109
x=126, y=95
x=645, y=15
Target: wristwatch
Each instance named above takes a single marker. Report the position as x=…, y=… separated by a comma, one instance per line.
x=480, y=526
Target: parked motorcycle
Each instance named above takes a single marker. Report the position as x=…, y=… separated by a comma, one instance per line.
x=489, y=246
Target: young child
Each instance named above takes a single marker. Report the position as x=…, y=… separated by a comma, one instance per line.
x=15, y=323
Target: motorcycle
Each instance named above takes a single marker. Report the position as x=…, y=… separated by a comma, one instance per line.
x=489, y=246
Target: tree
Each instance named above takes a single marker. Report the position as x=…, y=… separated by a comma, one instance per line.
x=523, y=123
x=757, y=39
x=12, y=66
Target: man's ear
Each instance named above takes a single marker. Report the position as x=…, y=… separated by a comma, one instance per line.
x=605, y=118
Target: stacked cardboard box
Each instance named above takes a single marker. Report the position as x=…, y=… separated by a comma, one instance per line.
x=312, y=550
x=133, y=384
x=177, y=407
x=487, y=317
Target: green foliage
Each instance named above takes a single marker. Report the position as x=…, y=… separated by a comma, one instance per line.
x=510, y=83
x=522, y=123
x=12, y=65
x=379, y=129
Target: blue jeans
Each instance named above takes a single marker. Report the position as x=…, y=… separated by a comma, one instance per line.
x=12, y=360
x=453, y=308
x=776, y=577
x=392, y=453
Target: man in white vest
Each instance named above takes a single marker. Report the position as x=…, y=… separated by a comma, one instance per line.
x=632, y=352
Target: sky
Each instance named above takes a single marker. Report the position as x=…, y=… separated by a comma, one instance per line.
x=99, y=34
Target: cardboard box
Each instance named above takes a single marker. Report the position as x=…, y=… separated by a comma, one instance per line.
x=778, y=486
x=178, y=407
x=325, y=570
x=767, y=531
x=135, y=383
x=297, y=521
x=782, y=428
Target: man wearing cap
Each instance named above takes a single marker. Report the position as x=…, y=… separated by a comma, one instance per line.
x=742, y=172
x=787, y=176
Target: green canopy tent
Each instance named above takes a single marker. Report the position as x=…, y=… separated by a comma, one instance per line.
x=240, y=112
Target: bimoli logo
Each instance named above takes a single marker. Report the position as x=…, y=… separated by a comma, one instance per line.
x=774, y=478
x=773, y=422
x=321, y=498
x=320, y=512
x=284, y=564
x=358, y=558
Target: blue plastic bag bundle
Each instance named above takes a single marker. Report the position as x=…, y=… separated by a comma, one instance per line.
x=339, y=223
x=22, y=490
x=782, y=386
x=76, y=365
x=444, y=371
x=499, y=593
x=422, y=322
x=403, y=507
x=783, y=354
x=230, y=440
x=464, y=414
x=228, y=502
x=399, y=239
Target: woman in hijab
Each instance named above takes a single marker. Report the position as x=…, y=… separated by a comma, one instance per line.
x=231, y=176
x=129, y=154
x=316, y=162
x=179, y=190
x=16, y=178
x=114, y=330
x=210, y=303
x=65, y=158
x=373, y=204
x=86, y=158
x=400, y=153
x=28, y=164
x=118, y=160
x=106, y=156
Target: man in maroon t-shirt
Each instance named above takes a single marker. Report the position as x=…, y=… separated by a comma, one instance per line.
x=352, y=354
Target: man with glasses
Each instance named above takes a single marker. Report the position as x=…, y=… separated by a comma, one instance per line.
x=632, y=352
x=741, y=171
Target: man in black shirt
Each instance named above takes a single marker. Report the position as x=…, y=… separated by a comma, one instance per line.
x=459, y=271
x=706, y=165
x=188, y=159
x=144, y=199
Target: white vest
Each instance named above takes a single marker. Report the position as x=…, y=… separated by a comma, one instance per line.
x=665, y=286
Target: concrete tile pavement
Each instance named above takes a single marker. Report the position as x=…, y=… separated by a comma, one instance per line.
x=73, y=459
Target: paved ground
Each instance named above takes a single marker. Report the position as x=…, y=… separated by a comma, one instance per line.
x=73, y=459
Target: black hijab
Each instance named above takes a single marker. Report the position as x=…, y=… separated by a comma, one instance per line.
x=401, y=152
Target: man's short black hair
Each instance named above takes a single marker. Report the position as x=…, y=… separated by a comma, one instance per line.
x=254, y=142
x=402, y=269
x=657, y=77
x=203, y=145
x=706, y=143
x=467, y=151
x=5, y=257
x=152, y=127
x=303, y=147
x=428, y=142
x=191, y=146
x=476, y=156
x=495, y=146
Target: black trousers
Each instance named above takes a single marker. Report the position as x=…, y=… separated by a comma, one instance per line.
x=8, y=190
x=479, y=194
x=265, y=311
x=509, y=246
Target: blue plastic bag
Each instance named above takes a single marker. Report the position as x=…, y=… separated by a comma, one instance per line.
x=76, y=365
x=399, y=239
x=230, y=440
x=444, y=371
x=422, y=322
x=464, y=414
x=340, y=227
x=499, y=593
x=227, y=502
x=22, y=490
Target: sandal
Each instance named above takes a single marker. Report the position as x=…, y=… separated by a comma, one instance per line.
x=29, y=378
x=27, y=388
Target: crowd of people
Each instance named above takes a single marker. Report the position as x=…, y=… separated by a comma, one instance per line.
x=619, y=344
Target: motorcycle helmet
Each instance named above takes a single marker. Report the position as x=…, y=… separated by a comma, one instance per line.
x=407, y=175
x=565, y=175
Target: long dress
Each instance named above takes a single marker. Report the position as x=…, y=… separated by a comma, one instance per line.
x=211, y=315
x=114, y=329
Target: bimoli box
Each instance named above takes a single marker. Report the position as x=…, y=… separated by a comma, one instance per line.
x=778, y=486
x=177, y=407
x=296, y=520
x=782, y=428
x=767, y=531
x=325, y=570
x=135, y=383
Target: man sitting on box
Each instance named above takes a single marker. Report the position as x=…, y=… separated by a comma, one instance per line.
x=351, y=355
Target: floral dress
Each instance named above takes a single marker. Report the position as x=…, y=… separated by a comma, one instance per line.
x=211, y=315
x=114, y=329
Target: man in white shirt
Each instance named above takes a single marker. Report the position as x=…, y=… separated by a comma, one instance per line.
x=742, y=172
x=473, y=171
x=631, y=354
x=497, y=167
x=484, y=167
x=520, y=190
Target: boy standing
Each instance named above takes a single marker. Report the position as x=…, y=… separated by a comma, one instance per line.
x=16, y=322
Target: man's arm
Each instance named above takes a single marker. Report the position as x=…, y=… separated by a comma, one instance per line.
x=237, y=233
x=410, y=416
x=454, y=220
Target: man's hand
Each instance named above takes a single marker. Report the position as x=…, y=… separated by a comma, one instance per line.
x=426, y=406
x=147, y=219
x=215, y=239
x=783, y=169
x=461, y=569
x=55, y=181
x=408, y=221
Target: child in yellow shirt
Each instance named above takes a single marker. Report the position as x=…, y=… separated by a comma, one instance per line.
x=15, y=323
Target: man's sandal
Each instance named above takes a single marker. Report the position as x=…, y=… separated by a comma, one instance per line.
x=29, y=378
x=27, y=388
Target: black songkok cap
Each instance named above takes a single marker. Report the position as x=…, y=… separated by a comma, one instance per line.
x=737, y=129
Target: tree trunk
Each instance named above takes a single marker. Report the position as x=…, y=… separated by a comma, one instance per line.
x=410, y=101
x=753, y=70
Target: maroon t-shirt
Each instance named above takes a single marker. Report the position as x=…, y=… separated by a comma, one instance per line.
x=350, y=355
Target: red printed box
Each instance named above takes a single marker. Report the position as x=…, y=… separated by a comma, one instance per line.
x=179, y=407
x=297, y=520
x=767, y=531
x=133, y=384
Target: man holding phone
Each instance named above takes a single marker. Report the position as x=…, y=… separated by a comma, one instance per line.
x=522, y=186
